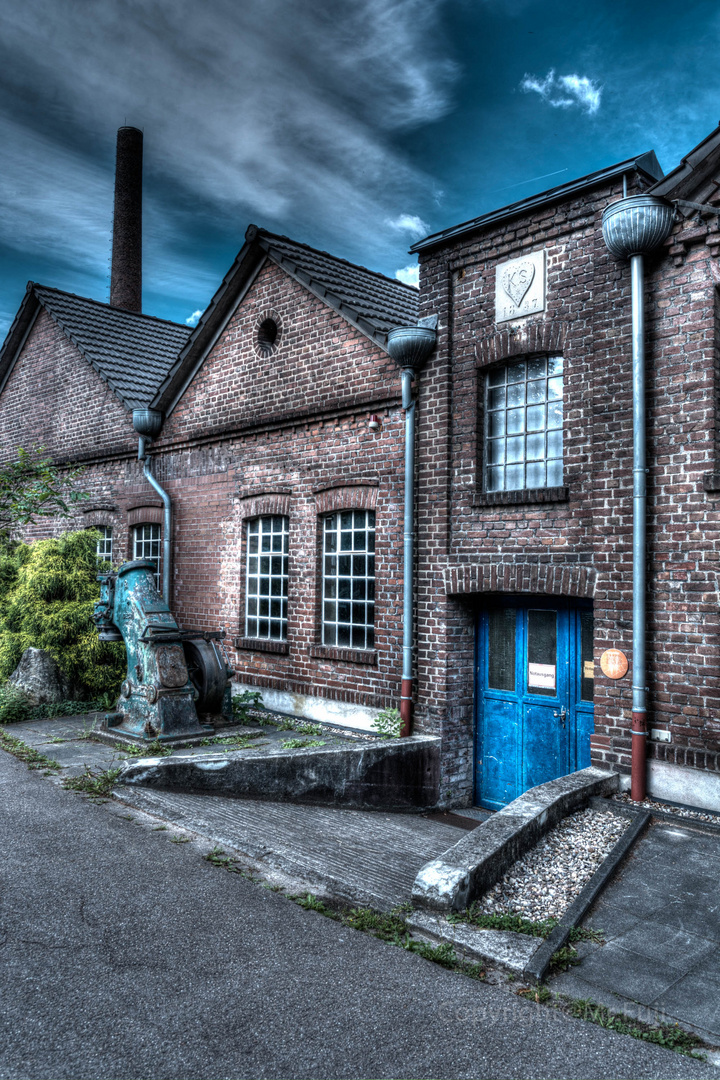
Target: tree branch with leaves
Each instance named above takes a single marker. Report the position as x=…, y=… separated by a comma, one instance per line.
x=33, y=487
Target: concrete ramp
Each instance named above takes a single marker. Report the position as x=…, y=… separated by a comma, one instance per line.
x=393, y=774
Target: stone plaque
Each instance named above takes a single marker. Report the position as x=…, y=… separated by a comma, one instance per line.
x=614, y=664
x=520, y=287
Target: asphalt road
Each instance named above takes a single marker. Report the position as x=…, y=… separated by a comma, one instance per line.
x=123, y=955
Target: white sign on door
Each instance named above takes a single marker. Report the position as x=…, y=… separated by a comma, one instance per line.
x=520, y=287
x=541, y=675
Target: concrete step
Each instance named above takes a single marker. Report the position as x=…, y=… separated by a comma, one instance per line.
x=357, y=856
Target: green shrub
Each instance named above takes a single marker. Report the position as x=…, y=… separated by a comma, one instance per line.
x=47, y=593
x=14, y=705
x=388, y=724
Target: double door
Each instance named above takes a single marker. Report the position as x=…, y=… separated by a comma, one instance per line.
x=534, y=696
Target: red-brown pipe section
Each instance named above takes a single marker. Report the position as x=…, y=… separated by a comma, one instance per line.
x=406, y=706
x=638, y=767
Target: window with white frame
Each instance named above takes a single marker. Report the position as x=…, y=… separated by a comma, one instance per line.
x=524, y=424
x=266, y=578
x=105, y=543
x=146, y=545
x=348, y=614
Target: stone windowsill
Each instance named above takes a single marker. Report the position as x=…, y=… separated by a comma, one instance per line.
x=526, y=495
x=261, y=645
x=336, y=652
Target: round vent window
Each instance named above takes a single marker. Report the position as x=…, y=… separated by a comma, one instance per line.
x=267, y=335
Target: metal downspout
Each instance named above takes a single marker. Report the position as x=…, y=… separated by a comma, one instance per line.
x=148, y=425
x=639, y=678
x=410, y=347
x=406, y=691
x=632, y=227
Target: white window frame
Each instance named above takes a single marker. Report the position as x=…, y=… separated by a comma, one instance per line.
x=348, y=577
x=104, y=549
x=267, y=577
x=147, y=544
x=523, y=424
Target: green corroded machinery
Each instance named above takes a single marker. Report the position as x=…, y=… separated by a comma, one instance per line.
x=178, y=682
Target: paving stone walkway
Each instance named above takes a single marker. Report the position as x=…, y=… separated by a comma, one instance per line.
x=661, y=920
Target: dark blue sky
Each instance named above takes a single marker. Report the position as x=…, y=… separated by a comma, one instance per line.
x=354, y=125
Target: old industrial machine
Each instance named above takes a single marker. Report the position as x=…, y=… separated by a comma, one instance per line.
x=178, y=681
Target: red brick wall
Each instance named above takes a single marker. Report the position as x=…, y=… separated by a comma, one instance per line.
x=294, y=425
x=54, y=397
x=581, y=546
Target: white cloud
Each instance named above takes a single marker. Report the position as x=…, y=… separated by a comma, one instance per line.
x=194, y=319
x=409, y=275
x=410, y=223
x=565, y=91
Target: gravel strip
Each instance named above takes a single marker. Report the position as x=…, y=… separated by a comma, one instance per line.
x=544, y=882
x=668, y=808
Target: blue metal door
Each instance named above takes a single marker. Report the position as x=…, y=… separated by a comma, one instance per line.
x=534, y=690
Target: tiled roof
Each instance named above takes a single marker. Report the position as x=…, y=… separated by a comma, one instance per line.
x=131, y=352
x=361, y=294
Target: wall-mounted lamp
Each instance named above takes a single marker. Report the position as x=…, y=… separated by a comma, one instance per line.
x=374, y=422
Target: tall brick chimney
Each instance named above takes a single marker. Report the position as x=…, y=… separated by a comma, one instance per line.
x=126, y=269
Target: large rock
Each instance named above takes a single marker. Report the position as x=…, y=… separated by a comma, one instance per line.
x=38, y=676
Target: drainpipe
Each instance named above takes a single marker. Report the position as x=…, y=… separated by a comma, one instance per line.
x=410, y=347
x=148, y=425
x=631, y=228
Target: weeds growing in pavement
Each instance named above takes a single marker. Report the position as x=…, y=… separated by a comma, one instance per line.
x=231, y=742
x=388, y=724
x=243, y=703
x=298, y=744
x=19, y=749
x=672, y=1037
x=157, y=749
x=96, y=785
x=392, y=927
x=563, y=959
x=519, y=924
x=179, y=839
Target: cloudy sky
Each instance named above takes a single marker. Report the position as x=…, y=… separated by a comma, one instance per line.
x=354, y=125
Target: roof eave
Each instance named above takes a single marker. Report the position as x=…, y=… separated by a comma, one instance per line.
x=690, y=173
x=350, y=314
x=647, y=164
x=212, y=323
x=18, y=333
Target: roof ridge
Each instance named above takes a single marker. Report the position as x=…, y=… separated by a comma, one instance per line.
x=338, y=259
x=108, y=307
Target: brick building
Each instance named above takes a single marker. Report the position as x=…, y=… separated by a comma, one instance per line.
x=283, y=428
x=526, y=490
x=282, y=434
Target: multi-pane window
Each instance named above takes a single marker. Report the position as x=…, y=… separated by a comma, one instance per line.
x=349, y=579
x=105, y=543
x=523, y=425
x=266, y=579
x=147, y=546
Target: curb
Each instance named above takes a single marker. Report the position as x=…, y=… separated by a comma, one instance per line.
x=473, y=865
x=536, y=969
